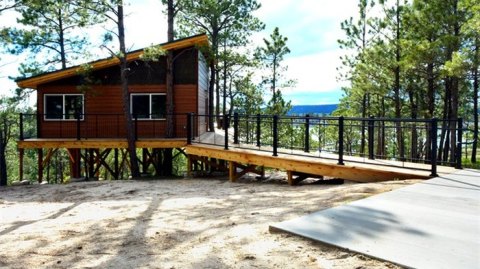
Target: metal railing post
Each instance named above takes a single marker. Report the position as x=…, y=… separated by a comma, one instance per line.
x=225, y=127
x=371, y=135
x=433, y=153
x=189, y=128
x=307, y=133
x=275, y=135
x=459, y=143
x=235, y=128
x=258, y=130
x=21, y=127
x=340, y=140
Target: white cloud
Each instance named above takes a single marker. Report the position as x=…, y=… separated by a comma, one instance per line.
x=145, y=23
x=315, y=72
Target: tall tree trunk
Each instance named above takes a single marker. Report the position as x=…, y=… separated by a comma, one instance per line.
x=168, y=153
x=364, y=115
x=455, y=86
x=475, y=102
x=365, y=109
x=170, y=20
x=274, y=81
x=413, y=115
x=132, y=150
x=445, y=123
x=430, y=105
x=61, y=40
x=3, y=160
x=224, y=80
x=398, y=109
x=169, y=74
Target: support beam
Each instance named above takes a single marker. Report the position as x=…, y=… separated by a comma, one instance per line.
x=232, y=170
x=40, y=165
x=21, y=154
x=189, y=166
x=233, y=175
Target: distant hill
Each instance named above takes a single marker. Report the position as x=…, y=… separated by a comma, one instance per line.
x=317, y=110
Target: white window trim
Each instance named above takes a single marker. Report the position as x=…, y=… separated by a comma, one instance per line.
x=63, y=106
x=150, y=105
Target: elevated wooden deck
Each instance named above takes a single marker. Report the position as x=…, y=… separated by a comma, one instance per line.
x=211, y=146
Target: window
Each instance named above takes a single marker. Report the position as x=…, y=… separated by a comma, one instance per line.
x=148, y=106
x=63, y=106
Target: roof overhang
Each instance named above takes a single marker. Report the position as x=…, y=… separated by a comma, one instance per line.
x=33, y=82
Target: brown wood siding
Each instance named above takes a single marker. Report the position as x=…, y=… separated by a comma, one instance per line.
x=104, y=112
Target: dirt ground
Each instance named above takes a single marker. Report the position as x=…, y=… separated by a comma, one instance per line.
x=181, y=223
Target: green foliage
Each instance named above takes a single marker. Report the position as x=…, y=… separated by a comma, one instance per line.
x=153, y=53
x=85, y=71
x=250, y=97
x=50, y=31
x=413, y=59
x=271, y=56
x=9, y=132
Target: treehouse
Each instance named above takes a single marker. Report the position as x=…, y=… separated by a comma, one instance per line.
x=81, y=108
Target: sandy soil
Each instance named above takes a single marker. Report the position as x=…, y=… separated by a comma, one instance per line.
x=183, y=223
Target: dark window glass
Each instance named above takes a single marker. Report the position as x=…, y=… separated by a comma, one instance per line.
x=54, y=107
x=73, y=105
x=158, y=106
x=141, y=106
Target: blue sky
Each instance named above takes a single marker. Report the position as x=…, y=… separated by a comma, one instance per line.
x=312, y=28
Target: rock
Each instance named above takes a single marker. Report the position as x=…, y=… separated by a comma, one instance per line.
x=77, y=179
x=20, y=183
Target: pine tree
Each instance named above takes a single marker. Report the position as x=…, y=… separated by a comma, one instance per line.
x=271, y=56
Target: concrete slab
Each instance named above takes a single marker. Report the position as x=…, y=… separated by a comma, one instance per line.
x=432, y=224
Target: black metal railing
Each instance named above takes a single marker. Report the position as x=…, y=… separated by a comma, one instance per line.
x=344, y=138
x=87, y=126
x=428, y=141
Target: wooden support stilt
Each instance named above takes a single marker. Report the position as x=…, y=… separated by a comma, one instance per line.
x=290, y=179
x=232, y=171
x=90, y=163
x=189, y=166
x=75, y=164
x=40, y=165
x=97, y=163
x=145, y=163
x=21, y=154
x=233, y=175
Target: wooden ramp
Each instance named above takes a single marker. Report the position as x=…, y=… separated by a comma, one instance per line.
x=359, y=172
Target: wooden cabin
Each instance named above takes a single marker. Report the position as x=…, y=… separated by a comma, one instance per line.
x=81, y=107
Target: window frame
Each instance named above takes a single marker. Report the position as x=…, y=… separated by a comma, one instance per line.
x=63, y=95
x=149, y=105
